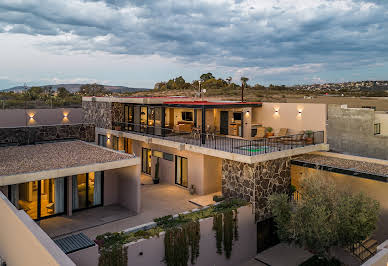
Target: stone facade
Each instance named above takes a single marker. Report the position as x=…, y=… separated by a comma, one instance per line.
x=98, y=113
x=239, y=180
x=34, y=134
x=117, y=112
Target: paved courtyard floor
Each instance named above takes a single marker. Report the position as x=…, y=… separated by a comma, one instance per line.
x=156, y=201
x=280, y=255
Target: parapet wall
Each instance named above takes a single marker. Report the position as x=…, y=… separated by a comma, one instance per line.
x=351, y=131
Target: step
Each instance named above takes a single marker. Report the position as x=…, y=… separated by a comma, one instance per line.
x=369, y=243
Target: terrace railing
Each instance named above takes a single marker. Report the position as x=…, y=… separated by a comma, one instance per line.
x=225, y=143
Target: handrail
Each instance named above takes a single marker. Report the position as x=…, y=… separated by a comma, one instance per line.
x=359, y=246
x=210, y=139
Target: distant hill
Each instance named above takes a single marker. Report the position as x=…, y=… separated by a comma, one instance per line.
x=75, y=87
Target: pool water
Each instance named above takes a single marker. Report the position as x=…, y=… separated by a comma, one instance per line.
x=254, y=148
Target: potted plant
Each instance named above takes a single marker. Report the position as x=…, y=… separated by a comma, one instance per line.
x=192, y=189
x=269, y=131
x=156, y=177
x=309, y=136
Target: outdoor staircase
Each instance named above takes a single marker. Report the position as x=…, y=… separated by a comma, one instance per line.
x=365, y=249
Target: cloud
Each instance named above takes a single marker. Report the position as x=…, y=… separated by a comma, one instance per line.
x=262, y=38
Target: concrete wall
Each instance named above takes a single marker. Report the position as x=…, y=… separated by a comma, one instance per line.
x=374, y=189
x=23, y=242
x=382, y=118
x=33, y=134
x=245, y=248
x=313, y=116
x=351, y=131
x=122, y=186
x=85, y=257
x=22, y=117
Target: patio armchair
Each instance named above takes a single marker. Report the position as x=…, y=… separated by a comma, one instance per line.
x=260, y=133
x=281, y=134
x=210, y=131
x=298, y=138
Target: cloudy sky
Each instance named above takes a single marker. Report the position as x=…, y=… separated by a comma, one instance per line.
x=140, y=42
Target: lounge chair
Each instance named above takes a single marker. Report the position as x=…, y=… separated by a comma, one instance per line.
x=279, y=136
x=260, y=133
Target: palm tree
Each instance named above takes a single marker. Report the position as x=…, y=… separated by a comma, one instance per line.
x=244, y=81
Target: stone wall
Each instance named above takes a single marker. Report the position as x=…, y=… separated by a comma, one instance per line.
x=240, y=179
x=34, y=134
x=117, y=112
x=98, y=113
x=351, y=131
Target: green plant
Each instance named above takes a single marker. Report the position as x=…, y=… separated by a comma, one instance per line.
x=269, y=129
x=325, y=216
x=226, y=230
x=157, y=169
x=218, y=198
x=309, y=133
x=176, y=228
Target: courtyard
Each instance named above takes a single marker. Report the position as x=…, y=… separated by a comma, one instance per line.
x=156, y=201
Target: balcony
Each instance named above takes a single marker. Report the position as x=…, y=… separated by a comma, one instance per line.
x=235, y=145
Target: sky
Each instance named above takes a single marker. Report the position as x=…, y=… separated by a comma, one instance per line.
x=138, y=43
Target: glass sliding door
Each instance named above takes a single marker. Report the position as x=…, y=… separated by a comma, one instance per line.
x=146, y=156
x=143, y=119
x=40, y=199
x=181, y=171
x=52, y=196
x=87, y=190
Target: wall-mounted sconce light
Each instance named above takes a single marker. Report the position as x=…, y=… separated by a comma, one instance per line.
x=300, y=112
x=65, y=114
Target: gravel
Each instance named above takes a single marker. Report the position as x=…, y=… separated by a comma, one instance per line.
x=56, y=155
x=365, y=167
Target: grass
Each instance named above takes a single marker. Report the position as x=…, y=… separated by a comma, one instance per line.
x=163, y=223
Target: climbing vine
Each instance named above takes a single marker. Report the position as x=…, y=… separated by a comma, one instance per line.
x=225, y=225
x=182, y=242
x=112, y=250
x=217, y=226
x=182, y=235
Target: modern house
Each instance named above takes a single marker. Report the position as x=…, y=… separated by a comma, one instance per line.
x=211, y=146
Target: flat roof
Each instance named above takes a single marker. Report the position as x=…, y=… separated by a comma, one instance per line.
x=216, y=104
x=58, y=159
x=356, y=168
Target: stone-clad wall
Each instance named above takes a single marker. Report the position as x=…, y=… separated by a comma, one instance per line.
x=98, y=113
x=33, y=134
x=117, y=112
x=239, y=179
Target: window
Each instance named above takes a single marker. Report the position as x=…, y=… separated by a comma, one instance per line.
x=377, y=129
x=187, y=116
x=181, y=171
x=102, y=139
x=87, y=190
x=168, y=156
x=369, y=107
x=157, y=154
x=39, y=199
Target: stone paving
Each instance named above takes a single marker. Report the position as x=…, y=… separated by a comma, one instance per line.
x=156, y=201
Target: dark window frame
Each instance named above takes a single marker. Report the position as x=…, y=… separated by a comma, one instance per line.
x=176, y=171
x=87, y=193
x=377, y=128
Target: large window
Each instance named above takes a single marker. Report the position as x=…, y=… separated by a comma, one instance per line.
x=41, y=198
x=377, y=129
x=181, y=171
x=146, y=156
x=187, y=116
x=87, y=190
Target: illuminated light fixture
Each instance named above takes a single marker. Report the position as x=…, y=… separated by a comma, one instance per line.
x=65, y=114
x=31, y=115
x=300, y=112
x=108, y=136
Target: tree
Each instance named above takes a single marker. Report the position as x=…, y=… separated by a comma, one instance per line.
x=62, y=92
x=324, y=216
x=207, y=76
x=244, y=81
x=92, y=89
